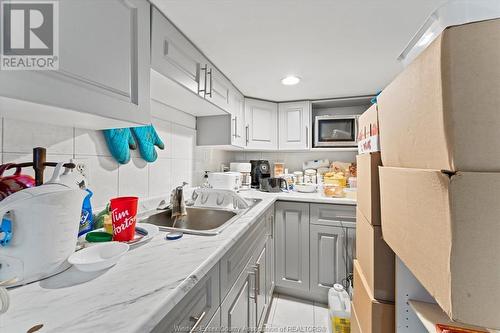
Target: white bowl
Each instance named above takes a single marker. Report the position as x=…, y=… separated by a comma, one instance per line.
x=306, y=188
x=98, y=257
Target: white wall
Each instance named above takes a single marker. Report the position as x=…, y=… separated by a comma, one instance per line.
x=107, y=178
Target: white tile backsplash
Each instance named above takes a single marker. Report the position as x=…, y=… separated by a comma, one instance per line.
x=107, y=179
x=293, y=160
x=185, y=140
x=22, y=136
x=133, y=178
x=160, y=177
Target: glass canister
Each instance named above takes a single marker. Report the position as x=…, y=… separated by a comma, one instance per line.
x=299, y=177
x=310, y=176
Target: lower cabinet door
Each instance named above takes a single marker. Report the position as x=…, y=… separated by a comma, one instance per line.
x=238, y=311
x=260, y=287
x=328, y=257
x=292, y=245
x=196, y=308
x=270, y=279
x=214, y=326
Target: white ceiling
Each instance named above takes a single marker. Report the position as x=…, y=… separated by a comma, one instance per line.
x=338, y=48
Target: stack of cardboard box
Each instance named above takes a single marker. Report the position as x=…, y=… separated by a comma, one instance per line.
x=373, y=307
x=440, y=183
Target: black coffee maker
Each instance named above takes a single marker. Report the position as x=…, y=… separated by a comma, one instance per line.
x=260, y=169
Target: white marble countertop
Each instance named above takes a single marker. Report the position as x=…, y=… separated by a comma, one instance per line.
x=135, y=294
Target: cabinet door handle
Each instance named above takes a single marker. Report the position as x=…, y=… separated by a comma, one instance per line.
x=209, y=92
x=197, y=321
x=307, y=136
x=165, y=47
x=254, y=274
x=246, y=134
x=204, y=90
x=235, y=127
x=272, y=226
x=257, y=278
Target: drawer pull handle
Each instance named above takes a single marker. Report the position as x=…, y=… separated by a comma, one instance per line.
x=198, y=321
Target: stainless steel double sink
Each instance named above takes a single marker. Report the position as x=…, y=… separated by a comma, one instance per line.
x=199, y=220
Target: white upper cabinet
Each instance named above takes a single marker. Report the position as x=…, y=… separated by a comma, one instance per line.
x=294, y=121
x=237, y=118
x=103, y=77
x=182, y=76
x=174, y=56
x=261, y=119
x=217, y=88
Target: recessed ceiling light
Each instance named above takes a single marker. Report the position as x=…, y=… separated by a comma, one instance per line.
x=290, y=80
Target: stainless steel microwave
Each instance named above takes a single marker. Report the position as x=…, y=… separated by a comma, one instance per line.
x=335, y=131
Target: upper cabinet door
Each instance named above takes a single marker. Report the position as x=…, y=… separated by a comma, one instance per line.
x=175, y=57
x=294, y=125
x=104, y=65
x=261, y=119
x=237, y=118
x=217, y=89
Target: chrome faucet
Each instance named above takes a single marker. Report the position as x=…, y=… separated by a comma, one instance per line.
x=163, y=205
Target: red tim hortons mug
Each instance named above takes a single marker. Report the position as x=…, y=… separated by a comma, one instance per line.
x=123, y=217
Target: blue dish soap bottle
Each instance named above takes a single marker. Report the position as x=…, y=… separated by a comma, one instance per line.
x=86, y=219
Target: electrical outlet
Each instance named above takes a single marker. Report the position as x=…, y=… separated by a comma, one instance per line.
x=83, y=167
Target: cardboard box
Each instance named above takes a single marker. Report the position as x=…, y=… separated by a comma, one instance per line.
x=373, y=316
x=375, y=258
x=368, y=131
x=354, y=321
x=368, y=186
x=446, y=229
x=442, y=111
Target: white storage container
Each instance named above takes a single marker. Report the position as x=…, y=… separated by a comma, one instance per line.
x=339, y=304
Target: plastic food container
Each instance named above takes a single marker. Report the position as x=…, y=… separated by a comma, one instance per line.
x=351, y=193
x=333, y=191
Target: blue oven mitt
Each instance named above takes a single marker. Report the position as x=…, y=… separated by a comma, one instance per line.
x=120, y=141
x=147, y=139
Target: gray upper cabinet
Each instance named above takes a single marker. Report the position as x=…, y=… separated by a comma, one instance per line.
x=103, y=77
x=294, y=121
x=261, y=119
x=292, y=245
x=328, y=257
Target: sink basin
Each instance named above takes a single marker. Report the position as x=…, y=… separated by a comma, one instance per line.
x=199, y=220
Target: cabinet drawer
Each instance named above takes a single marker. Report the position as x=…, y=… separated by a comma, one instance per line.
x=196, y=308
x=333, y=215
x=233, y=263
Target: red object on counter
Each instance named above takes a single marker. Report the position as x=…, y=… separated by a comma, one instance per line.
x=441, y=328
x=13, y=183
x=123, y=217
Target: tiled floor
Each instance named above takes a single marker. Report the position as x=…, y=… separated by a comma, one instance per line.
x=289, y=314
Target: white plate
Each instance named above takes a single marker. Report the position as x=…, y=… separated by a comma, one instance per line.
x=150, y=231
x=99, y=256
x=143, y=233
